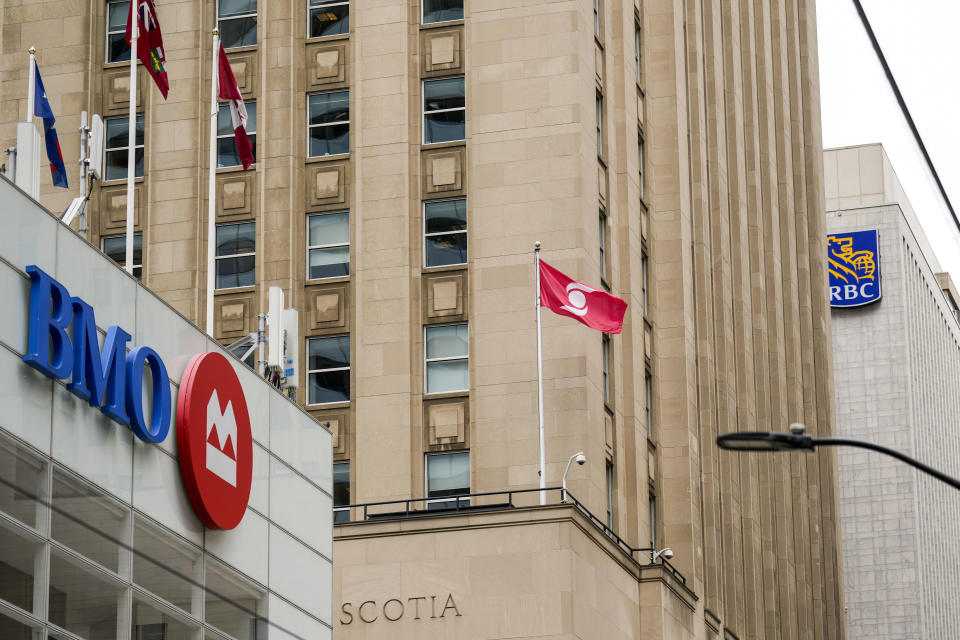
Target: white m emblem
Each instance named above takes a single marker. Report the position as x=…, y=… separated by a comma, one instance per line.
x=221, y=440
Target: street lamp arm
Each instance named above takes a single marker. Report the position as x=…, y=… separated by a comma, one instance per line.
x=845, y=442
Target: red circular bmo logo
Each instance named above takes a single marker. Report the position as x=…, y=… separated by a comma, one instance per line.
x=214, y=441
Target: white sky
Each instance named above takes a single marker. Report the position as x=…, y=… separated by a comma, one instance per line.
x=922, y=47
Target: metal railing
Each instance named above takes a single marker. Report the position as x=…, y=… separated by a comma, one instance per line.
x=487, y=501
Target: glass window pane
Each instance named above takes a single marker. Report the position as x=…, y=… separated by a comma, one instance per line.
x=329, y=228
x=448, y=474
x=225, y=121
x=446, y=249
x=21, y=482
x=236, y=7
x=445, y=126
x=117, y=48
x=329, y=352
x=87, y=520
x=235, y=272
x=227, y=155
x=329, y=19
x=447, y=375
x=441, y=10
x=233, y=604
x=333, y=262
x=116, y=132
x=443, y=94
x=329, y=386
x=341, y=484
x=447, y=215
x=164, y=565
x=238, y=32
x=447, y=341
x=18, y=556
x=82, y=601
x=233, y=239
x=329, y=107
x=11, y=629
x=117, y=15
x=329, y=140
x=149, y=623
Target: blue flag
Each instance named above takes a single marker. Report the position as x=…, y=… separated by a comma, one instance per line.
x=41, y=109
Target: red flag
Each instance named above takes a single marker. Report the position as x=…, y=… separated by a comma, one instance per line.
x=597, y=309
x=150, y=43
x=238, y=113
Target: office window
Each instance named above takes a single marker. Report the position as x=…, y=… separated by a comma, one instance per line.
x=328, y=245
x=448, y=475
x=599, y=124
x=596, y=18
x=235, y=255
x=603, y=244
x=442, y=10
x=117, y=48
x=447, y=358
x=227, y=155
x=640, y=154
x=341, y=491
x=609, y=486
x=653, y=522
x=645, y=283
x=606, y=368
x=329, y=18
x=237, y=21
x=117, y=131
x=116, y=249
x=444, y=110
x=636, y=51
x=445, y=232
x=328, y=369
x=328, y=123
x=648, y=401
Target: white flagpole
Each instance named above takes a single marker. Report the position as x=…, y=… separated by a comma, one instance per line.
x=32, y=87
x=212, y=191
x=543, y=454
x=132, y=134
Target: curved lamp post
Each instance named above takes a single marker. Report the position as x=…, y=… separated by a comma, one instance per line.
x=798, y=440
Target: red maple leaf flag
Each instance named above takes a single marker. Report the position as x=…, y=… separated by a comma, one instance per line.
x=238, y=113
x=565, y=296
x=150, y=43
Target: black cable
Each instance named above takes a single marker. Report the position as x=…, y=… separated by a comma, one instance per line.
x=903, y=108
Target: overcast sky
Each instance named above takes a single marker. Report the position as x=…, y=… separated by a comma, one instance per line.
x=922, y=46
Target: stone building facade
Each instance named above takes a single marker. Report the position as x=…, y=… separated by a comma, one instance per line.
x=897, y=366
x=408, y=157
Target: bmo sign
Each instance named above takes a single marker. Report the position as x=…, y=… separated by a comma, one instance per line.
x=213, y=427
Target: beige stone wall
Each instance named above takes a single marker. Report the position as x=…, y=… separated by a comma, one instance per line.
x=731, y=218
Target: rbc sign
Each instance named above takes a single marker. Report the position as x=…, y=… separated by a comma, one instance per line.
x=853, y=262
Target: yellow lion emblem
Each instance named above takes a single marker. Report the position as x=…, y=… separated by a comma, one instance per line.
x=848, y=265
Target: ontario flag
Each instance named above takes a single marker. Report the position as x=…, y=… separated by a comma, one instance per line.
x=41, y=109
x=565, y=296
x=150, y=43
x=238, y=113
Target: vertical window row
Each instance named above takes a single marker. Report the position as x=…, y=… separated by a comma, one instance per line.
x=446, y=358
x=227, y=155
x=328, y=245
x=116, y=148
x=116, y=249
x=444, y=110
x=599, y=124
x=447, y=476
x=117, y=49
x=445, y=232
x=328, y=18
x=603, y=245
x=237, y=22
x=235, y=255
x=328, y=369
x=328, y=123
x=341, y=491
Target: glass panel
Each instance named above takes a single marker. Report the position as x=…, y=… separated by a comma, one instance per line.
x=228, y=8
x=21, y=482
x=149, y=623
x=235, y=272
x=117, y=15
x=329, y=140
x=448, y=474
x=83, y=602
x=117, y=164
x=446, y=215
x=233, y=239
x=232, y=603
x=329, y=263
x=329, y=20
x=441, y=10
x=444, y=126
x=117, y=132
x=329, y=386
x=165, y=566
x=17, y=563
x=329, y=353
x=329, y=228
x=450, y=248
x=341, y=484
x=117, y=48
x=443, y=94
x=447, y=341
x=225, y=121
x=238, y=32
x=11, y=629
x=87, y=520
x=227, y=155
x=116, y=249
x=447, y=375
x=329, y=107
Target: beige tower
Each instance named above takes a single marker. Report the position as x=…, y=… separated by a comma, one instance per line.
x=409, y=154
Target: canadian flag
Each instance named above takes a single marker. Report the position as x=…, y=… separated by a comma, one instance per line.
x=238, y=113
x=565, y=296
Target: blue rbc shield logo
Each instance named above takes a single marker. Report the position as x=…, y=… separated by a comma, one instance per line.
x=853, y=261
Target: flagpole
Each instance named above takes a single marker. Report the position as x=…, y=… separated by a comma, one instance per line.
x=543, y=455
x=212, y=189
x=132, y=134
x=32, y=87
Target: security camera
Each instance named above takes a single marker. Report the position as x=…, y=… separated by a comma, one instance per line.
x=581, y=459
x=667, y=554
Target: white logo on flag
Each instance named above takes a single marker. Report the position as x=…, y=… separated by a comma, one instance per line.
x=221, y=449
x=578, y=301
